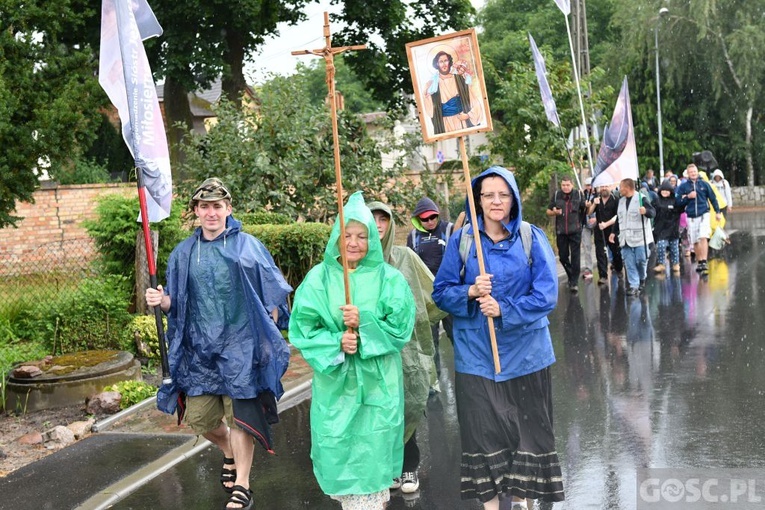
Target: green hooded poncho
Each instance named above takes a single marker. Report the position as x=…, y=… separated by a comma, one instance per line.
x=417, y=356
x=357, y=408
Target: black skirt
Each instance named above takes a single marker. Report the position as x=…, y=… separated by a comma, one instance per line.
x=508, y=445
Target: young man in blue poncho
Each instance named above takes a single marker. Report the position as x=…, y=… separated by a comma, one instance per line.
x=226, y=354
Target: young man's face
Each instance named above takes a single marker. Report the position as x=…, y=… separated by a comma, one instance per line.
x=566, y=186
x=212, y=217
x=382, y=221
x=693, y=172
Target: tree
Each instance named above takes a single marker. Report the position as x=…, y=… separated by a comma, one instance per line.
x=49, y=97
x=385, y=27
x=523, y=137
x=713, y=64
x=279, y=157
x=356, y=97
x=205, y=39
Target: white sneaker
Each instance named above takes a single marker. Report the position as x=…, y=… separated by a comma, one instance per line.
x=396, y=484
x=409, y=482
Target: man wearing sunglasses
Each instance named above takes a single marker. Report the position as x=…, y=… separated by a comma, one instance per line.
x=428, y=239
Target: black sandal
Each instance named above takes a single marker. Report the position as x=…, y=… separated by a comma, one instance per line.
x=227, y=475
x=240, y=496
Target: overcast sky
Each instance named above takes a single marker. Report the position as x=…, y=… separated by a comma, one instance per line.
x=275, y=55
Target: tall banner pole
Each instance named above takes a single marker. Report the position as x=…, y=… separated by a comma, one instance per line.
x=125, y=76
x=579, y=93
x=478, y=248
x=328, y=52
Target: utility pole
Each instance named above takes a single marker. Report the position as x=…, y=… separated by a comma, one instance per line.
x=582, y=50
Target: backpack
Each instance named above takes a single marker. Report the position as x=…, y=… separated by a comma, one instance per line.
x=467, y=238
x=445, y=237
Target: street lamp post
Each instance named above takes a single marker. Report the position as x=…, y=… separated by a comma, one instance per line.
x=662, y=12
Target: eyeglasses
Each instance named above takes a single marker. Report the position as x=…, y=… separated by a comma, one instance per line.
x=491, y=197
x=430, y=218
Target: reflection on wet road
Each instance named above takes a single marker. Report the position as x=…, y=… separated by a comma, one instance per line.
x=671, y=379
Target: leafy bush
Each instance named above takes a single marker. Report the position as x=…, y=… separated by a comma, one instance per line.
x=132, y=392
x=82, y=172
x=92, y=316
x=263, y=218
x=116, y=229
x=296, y=248
x=146, y=328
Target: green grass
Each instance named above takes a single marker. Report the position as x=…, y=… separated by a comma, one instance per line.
x=23, y=292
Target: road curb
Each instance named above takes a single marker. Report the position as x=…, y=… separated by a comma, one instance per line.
x=297, y=392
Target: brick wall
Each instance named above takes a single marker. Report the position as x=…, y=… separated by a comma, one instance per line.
x=50, y=236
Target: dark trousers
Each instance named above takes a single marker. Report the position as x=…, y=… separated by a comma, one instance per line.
x=448, y=323
x=569, y=249
x=411, y=455
x=601, y=242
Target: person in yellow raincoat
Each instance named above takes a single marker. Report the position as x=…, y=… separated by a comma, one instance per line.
x=417, y=356
x=716, y=238
x=357, y=408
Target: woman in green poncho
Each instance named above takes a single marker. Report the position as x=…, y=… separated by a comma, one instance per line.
x=417, y=356
x=357, y=408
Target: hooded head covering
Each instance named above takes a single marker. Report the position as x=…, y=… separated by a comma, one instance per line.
x=666, y=185
x=424, y=208
x=356, y=210
x=390, y=235
x=716, y=173
x=515, y=210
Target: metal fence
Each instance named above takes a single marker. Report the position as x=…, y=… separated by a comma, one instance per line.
x=35, y=279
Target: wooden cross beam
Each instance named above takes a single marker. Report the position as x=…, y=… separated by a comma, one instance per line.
x=328, y=52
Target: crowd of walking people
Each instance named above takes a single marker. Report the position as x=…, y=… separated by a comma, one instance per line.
x=632, y=225
x=368, y=318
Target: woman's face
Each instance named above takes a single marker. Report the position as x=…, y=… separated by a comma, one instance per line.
x=356, y=243
x=496, y=199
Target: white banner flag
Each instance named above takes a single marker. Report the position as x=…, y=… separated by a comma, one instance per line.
x=125, y=76
x=617, y=158
x=564, y=6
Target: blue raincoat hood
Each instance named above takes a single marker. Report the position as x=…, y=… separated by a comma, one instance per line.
x=515, y=211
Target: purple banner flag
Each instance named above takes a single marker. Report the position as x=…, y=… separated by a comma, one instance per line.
x=125, y=76
x=564, y=6
x=617, y=158
x=544, y=87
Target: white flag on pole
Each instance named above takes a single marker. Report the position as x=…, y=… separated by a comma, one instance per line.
x=125, y=76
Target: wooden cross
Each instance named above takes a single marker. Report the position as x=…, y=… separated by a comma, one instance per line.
x=328, y=52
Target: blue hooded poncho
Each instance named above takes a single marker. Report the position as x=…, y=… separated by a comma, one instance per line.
x=224, y=341
x=526, y=289
x=357, y=408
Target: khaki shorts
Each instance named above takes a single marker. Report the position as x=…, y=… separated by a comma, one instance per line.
x=699, y=228
x=204, y=413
